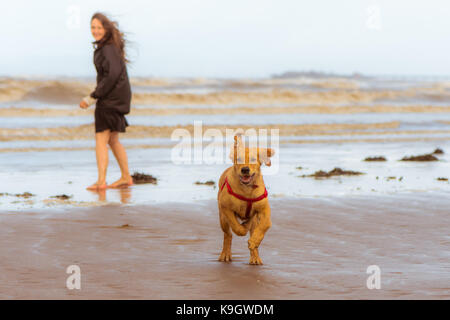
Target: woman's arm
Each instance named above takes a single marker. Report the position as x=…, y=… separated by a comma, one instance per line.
x=112, y=68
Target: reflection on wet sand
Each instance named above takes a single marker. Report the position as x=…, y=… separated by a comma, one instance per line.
x=124, y=193
x=101, y=193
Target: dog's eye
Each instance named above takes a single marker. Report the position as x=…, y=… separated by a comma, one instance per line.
x=253, y=160
x=239, y=159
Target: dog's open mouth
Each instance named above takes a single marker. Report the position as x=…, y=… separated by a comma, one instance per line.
x=246, y=179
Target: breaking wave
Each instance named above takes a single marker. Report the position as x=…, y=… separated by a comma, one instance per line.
x=270, y=91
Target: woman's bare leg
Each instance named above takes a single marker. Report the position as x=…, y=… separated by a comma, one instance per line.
x=101, y=152
x=121, y=157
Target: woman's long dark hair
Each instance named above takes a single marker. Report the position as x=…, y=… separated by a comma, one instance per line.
x=112, y=34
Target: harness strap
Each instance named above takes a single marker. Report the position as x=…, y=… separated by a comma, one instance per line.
x=248, y=200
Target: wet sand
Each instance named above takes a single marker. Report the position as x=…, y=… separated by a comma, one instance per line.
x=317, y=248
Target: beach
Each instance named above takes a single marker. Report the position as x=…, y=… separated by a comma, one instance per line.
x=318, y=248
x=162, y=240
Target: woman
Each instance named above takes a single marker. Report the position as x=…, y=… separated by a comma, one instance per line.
x=112, y=96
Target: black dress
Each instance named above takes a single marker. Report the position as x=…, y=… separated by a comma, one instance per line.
x=113, y=89
x=109, y=119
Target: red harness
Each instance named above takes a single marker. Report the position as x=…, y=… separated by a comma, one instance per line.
x=248, y=200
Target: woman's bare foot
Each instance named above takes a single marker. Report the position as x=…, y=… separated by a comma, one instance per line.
x=97, y=186
x=123, y=182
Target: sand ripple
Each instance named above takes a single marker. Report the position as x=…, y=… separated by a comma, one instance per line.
x=86, y=131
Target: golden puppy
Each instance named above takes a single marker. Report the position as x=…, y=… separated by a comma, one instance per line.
x=242, y=199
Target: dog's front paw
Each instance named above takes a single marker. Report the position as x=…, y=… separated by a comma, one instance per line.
x=256, y=261
x=225, y=256
x=254, y=258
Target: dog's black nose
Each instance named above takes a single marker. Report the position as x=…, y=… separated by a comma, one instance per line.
x=245, y=170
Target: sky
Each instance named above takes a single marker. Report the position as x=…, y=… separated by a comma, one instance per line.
x=231, y=38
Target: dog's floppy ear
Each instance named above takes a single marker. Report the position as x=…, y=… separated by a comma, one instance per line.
x=264, y=156
x=238, y=140
x=235, y=147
